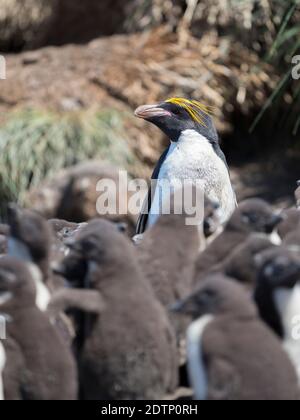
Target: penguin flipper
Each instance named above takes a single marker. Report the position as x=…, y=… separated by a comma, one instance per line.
x=89, y=301
x=143, y=218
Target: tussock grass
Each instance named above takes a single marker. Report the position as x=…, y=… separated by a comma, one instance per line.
x=35, y=145
x=287, y=93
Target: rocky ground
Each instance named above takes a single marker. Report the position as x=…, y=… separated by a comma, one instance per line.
x=123, y=71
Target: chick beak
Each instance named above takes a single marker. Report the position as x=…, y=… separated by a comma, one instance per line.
x=184, y=307
x=148, y=112
x=73, y=245
x=274, y=221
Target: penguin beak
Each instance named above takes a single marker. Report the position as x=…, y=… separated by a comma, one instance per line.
x=275, y=220
x=73, y=245
x=148, y=112
x=184, y=307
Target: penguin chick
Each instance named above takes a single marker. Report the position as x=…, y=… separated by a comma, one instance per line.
x=290, y=222
x=73, y=268
x=231, y=354
x=30, y=240
x=65, y=230
x=240, y=264
x=167, y=255
x=14, y=364
x=278, y=296
x=84, y=300
x=194, y=154
x=49, y=371
x=252, y=215
x=30, y=237
x=72, y=194
x=292, y=238
x=130, y=350
x=212, y=226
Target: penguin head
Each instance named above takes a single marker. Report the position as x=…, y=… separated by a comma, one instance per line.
x=217, y=295
x=64, y=229
x=177, y=115
x=254, y=215
x=278, y=267
x=17, y=288
x=101, y=244
x=73, y=268
x=241, y=264
x=211, y=222
x=30, y=235
x=277, y=280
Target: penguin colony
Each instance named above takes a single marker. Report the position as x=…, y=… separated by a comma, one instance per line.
x=209, y=312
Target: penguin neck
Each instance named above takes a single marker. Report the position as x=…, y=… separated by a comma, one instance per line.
x=103, y=274
x=196, y=367
x=267, y=308
x=287, y=302
x=190, y=140
x=42, y=293
x=192, y=137
x=18, y=249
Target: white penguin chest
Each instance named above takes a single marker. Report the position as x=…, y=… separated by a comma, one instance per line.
x=193, y=159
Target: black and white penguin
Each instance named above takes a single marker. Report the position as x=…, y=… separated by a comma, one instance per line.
x=49, y=371
x=252, y=216
x=129, y=351
x=278, y=296
x=232, y=355
x=194, y=155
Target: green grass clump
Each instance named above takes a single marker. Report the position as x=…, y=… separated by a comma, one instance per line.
x=286, y=44
x=35, y=145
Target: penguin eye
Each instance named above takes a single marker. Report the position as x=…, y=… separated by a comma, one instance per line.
x=207, y=295
x=250, y=218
